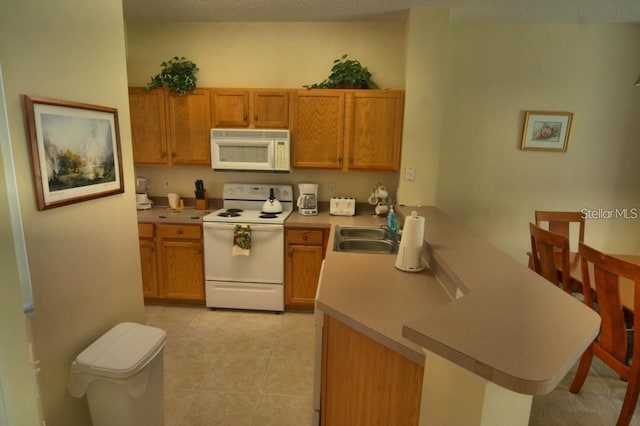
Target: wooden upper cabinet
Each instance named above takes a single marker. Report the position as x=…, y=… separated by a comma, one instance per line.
x=255, y=108
x=230, y=108
x=347, y=129
x=148, y=126
x=317, y=128
x=189, y=128
x=374, y=131
x=167, y=128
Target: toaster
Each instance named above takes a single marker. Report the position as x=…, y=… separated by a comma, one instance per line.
x=342, y=206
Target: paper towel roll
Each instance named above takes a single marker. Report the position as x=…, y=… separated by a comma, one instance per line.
x=410, y=251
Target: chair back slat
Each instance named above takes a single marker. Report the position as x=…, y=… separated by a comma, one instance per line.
x=544, y=245
x=560, y=223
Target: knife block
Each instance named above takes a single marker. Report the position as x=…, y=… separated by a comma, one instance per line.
x=202, y=204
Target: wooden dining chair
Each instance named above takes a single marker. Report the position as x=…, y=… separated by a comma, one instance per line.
x=616, y=346
x=544, y=246
x=560, y=222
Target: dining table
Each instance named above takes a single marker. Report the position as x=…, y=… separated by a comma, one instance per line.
x=626, y=285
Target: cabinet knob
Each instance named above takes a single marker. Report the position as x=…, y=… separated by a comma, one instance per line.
x=198, y=252
x=244, y=116
x=180, y=231
x=305, y=238
x=339, y=160
x=350, y=160
x=289, y=254
x=255, y=117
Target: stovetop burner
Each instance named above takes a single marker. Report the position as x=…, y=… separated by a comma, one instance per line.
x=242, y=203
x=227, y=213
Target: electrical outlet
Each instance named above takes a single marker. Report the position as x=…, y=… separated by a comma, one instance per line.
x=166, y=183
x=332, y=190
x=410, y=174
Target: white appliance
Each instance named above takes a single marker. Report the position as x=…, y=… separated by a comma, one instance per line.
x=251, y=149
x=342, y=206
x=255, y=279
x=142, y=199
x=308, y=199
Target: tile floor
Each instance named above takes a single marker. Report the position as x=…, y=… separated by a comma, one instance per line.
x=236, y=368
x=256, y=368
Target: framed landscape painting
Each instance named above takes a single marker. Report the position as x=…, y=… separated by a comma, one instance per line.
x=75, y=151
x=546, y=130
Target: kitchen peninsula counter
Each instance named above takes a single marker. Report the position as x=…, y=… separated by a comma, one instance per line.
x=475, y=306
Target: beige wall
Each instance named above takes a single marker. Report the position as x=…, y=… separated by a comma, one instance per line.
x=497, y=72
x=19, y=404
x=283, y=55
x=83, y=257
x=426, y=44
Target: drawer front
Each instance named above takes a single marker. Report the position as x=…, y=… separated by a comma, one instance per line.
x=191, y=232
x=304, y=236
x=145, y=230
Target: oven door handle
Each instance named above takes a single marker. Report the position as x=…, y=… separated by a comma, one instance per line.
x=254, y=226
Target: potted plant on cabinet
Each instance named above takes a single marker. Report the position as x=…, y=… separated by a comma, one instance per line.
x=346, y=74
x=177, y=74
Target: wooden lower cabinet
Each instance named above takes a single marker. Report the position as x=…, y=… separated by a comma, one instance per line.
x=366, y=383
x=305, y=249
x=172, y=262
x=148, y=259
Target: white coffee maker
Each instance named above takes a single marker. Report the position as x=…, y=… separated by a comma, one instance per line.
x=142, y=199
x=308, y=199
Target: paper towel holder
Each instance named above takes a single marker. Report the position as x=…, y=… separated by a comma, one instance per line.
x=412, y=261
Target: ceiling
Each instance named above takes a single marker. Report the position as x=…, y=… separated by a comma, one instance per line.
x=514, y=11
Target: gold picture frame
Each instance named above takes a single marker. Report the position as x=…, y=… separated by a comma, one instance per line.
x=546, y=130
x=74, y=149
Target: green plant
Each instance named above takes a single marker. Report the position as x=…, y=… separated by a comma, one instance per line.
x=346, y=73
x=178, y=74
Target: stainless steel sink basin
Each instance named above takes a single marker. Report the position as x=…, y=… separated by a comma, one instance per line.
x=362, y=232
x=356, y=245
x=365, y=239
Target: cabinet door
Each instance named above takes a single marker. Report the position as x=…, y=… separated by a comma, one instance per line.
x=149, y=265
x=318, y=129
x=182, y=269
x=270, y=109
x=375, y=129
x=230, y=108
x=189, y=126
x=301, y=275
x=148, y=126
x=355, y=370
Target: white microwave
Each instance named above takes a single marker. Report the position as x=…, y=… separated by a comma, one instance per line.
x=251, y=149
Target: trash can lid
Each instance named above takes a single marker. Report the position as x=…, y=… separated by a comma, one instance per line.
x=122, y=351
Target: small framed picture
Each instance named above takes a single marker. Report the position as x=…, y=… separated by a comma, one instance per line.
x=546, y=130
x=75, y=151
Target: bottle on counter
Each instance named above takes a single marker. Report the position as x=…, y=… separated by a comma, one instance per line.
x=392, y=222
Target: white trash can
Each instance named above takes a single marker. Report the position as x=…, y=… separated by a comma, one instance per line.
x=122, y=375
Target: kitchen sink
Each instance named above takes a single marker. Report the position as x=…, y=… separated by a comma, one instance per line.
x=364, y=232
x=367, y=246
x=363, y=239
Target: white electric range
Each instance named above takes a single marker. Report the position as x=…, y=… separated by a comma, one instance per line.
x=253, y=277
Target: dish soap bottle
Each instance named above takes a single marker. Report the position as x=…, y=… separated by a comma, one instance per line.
x=392, y=222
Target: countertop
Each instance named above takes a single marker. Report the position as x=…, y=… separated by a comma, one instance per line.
x=163, y=214
x=475, y=306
